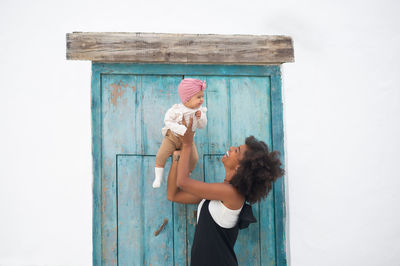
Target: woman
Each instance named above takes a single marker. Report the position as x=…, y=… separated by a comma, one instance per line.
x=250, y=170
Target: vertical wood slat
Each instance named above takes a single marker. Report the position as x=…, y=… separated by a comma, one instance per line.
x=158, y=249
x=123, y=99
x=119, y=115
x=218, y=126
x=118, y=95
x=158, y=94
x=201, y=137
x=267, y=217
x=279, y=186
x=112, y=95
x=250, y=115
x=180, y=234
x=141, y=210
x=96, y=126
x=130, y=224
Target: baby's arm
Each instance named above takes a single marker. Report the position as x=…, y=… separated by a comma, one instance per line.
x=202, y=121
x=171, y=122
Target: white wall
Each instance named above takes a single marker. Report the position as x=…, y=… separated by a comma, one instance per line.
x=342, y=107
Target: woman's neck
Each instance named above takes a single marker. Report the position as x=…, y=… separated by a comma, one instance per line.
x=229, y=173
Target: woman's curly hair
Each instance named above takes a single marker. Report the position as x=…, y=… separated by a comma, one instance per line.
x=257, y=171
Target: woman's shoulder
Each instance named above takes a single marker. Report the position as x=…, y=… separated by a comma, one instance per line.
x=235, y=201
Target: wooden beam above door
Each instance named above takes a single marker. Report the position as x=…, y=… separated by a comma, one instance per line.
x=171, y=48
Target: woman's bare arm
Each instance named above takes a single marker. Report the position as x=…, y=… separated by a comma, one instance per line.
x=212, y=191
x=174, y=193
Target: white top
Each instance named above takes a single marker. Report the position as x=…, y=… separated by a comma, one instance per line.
x=173, y=119
x=221, y=214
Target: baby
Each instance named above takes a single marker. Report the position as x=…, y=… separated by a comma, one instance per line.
x=191, y=93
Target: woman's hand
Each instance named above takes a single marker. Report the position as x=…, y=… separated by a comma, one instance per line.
x=173, y=192
x=176, y=155
x=187, y=138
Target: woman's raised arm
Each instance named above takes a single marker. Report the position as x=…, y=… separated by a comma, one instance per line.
x=174, y=193
x=212, y=191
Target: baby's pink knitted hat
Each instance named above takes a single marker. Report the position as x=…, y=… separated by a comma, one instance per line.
x=189, y=87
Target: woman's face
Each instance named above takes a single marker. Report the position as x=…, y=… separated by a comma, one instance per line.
x=233, y=156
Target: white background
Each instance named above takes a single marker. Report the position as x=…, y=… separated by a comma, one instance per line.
x=341, y=103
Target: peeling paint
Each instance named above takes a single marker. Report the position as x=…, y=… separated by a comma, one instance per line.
x=108, y=162
x=116, y=92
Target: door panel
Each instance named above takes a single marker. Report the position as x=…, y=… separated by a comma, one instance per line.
x=118, y=119
x=250, y=102
x=158, y=94
x=133, y=109
x=240, y=101
x=127, y=101
x=141, y=211
x=218, y=126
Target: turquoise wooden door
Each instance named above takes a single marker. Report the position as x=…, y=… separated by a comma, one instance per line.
x=128, y=104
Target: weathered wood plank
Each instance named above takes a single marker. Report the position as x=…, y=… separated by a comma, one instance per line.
x=186, y=69
x=179, y=48
x=250, y=115
x=279, y=185
x=97, y=167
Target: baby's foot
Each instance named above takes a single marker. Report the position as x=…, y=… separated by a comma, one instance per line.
x=156, y=184
x=158, y=177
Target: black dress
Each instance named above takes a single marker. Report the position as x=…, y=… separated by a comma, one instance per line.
x=213, y=244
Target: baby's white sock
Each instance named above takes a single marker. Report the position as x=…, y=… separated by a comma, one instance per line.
x=159, y=175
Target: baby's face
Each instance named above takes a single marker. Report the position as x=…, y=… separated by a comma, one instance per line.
x=196, y=101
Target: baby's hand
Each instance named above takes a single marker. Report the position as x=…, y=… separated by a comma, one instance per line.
x=198, y=114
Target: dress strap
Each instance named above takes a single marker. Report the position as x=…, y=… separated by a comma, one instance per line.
x=246, y=216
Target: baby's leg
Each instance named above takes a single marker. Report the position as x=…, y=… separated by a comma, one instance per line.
x=166, y=149
x=194, y=157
